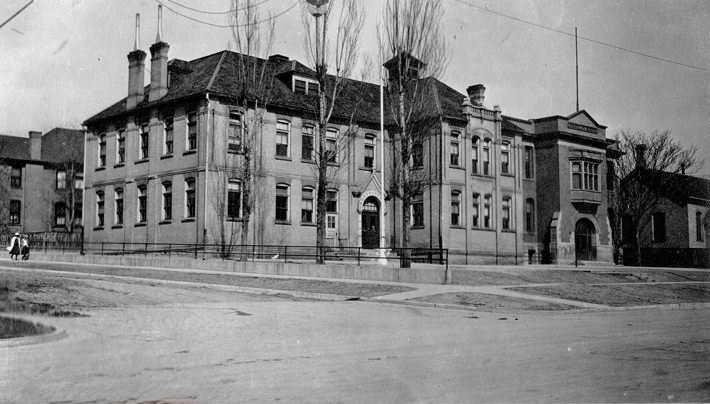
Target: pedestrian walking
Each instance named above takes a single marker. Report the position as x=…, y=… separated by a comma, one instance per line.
x=14, y=246
x=25, y=248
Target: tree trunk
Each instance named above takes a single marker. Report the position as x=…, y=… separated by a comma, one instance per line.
x=405, y=260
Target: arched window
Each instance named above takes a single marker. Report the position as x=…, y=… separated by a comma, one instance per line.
x=167, y=200
x=369, y=151
x=282, y=203
x=487, y=211
x=506, y=213
x=505, y=158
x=190, y=197
x=475, y=209
x=476, y=144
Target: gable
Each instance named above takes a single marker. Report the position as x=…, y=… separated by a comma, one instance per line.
x=583, y=119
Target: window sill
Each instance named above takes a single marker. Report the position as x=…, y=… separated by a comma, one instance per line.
x=235, y=219
x=457, y=167
x=119, y=165
x=189, y=152
x=141, y=161
x=331, y=164
x=188, y=220
x=95, y=228
x=141, y=224
x=308, y=224
x=530, y=233
x=508, y=231
x=165, y=222
x=288, y=223
x=285, y=158
x=458, y=227
x=484, y=228
x=166, y=156
x=237, y=152
x=507, y=175
x=529, y=179
x=117, y=226
x=479, y=175
x=366, y=169
x=100, y=168
x=307, y=161
x=417, y=227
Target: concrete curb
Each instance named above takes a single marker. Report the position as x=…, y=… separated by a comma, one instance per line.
x=55, y=335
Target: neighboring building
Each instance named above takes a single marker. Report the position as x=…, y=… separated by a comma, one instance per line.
x=504, y=190
x=676, y=233
x=42, y=181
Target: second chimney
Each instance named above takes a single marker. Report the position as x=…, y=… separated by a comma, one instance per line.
x=158, y=63
x=136, y=65
x=35, y=145
x=476, y=94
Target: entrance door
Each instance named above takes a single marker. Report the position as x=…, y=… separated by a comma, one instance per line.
x=584, y=240
x=371, y=223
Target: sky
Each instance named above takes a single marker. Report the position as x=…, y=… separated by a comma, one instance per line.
x=65, y=60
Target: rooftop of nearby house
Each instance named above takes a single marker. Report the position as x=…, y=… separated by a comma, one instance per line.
x=677, y=187
x=57, y=146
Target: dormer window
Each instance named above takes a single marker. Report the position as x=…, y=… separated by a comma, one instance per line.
x=302, y=85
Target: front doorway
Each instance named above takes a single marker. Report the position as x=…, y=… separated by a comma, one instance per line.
x=371, y=223
x=584, y=240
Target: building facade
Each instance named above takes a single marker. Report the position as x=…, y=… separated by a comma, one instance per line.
x=161, y=168
x=42, y=181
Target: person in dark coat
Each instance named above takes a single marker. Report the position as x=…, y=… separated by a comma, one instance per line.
x=15, y=246
x=25, y=244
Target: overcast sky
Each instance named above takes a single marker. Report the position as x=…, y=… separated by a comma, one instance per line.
x=65, y=60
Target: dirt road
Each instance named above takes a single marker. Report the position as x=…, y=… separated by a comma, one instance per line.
x=202, y=345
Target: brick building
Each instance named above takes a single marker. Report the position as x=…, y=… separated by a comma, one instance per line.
x=504, y=190
x=41, y=184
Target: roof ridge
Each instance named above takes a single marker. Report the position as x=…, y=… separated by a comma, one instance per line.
x=216, y=70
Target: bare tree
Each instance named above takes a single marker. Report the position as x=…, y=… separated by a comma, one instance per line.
x=416, y=53
x=253, y=39
x=71, y=191
x=335, y=49
x=646, y=170
x=4, y=190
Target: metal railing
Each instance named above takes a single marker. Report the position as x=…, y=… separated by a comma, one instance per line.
x=251, y=252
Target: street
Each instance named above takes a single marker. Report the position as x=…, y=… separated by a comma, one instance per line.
x=206, y=346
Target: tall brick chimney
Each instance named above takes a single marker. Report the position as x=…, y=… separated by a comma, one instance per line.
x=35, y=145
x=476, y=94
x=158, y=63
x=136, y=66
x=640, y=156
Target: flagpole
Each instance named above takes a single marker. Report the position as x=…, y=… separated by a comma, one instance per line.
x=576, y=66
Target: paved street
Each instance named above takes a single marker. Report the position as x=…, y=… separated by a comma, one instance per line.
x=203, y=345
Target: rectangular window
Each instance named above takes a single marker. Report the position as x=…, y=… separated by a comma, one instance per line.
x=505, y=158
x=529, y=215
x=99, y=209
x=60, y=214
x=169, y=135
x=282, y=133
x=418, y=210
x=144, y=138
x=282, y=203
x=659, y=227
x=102, y=150
x=454, y=150
x=418, y=153
x=234, y=134
x=506, y=214
x=455, y=208
x=528, y=162
x=121, y=147
x=189, y=198
x=487, y=157
x=16, y=177
x=331, y=201
x=307, y=205
x=234, y=200
x=487, y=211
x=15, y=212
x=307, y=137
x=192, y=131
x=331, y=141
x=576, y=175
x=585, y=175
x=313, y=87
x=61, y=179
x=118, y=195
x=369, y=151
x=475, y=210
x=142, y=204
x=167, y=200
x=299, y=86
x=698, y=226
